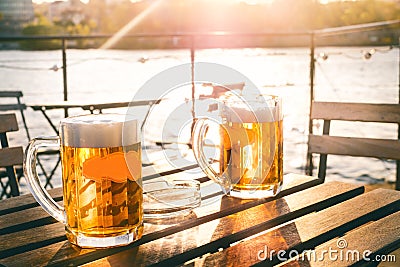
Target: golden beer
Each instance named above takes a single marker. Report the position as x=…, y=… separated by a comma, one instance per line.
x=248, y=162
x=102, y=197
x=251, y=155
x=102, y=179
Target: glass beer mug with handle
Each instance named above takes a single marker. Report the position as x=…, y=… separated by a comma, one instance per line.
x=101, y=176
x=249, y=146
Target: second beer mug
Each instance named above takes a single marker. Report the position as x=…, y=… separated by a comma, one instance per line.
x=250, y=147
x=102, y=179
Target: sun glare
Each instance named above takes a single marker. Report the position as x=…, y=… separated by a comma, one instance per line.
x=50, y=1
x=251, y=2
x=254, y=2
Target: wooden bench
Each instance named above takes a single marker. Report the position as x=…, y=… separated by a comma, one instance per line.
x=9, y=157
x=353, y=146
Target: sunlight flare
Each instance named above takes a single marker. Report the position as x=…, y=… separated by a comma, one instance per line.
x=130, y=25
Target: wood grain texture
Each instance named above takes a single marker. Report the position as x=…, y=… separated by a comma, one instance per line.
x=24, y=219
x=231, y=235
x=42, y=256
x=25, y=202
x=221, y=233
x=310, y=230
x=57, y=232
x=362, y=147
x=356, y=112
x=375, y=239
x=29, y=239
x=8, y=123
x=11, y=156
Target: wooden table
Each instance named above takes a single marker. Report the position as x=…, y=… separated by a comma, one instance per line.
x=225, y=231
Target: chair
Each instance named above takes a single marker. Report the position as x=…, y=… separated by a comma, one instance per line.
x=18, y=105
x=9, y=157
x=359, y=147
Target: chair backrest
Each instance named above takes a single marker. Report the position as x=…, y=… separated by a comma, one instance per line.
x=18, y=105
x=9, y=157
x=353, y=146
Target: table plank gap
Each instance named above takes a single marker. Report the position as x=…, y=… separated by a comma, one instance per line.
x=309, y=231
x=225, y=241
x=354, y=244
x=17, y=220
x=296, y=181
x=24, y=202
x=27, y=201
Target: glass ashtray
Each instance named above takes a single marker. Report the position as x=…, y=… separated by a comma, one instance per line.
x=167, y=199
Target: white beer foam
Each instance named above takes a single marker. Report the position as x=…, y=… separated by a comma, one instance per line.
x=99, y=130
x=253, y=109
x=251, y=113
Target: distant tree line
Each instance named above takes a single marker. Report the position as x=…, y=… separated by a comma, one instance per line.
x=202, y=16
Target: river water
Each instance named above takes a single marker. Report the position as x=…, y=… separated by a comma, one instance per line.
x=114, y=75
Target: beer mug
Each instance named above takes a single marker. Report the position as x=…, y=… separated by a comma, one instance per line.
x=101, y=177
x=249, y=147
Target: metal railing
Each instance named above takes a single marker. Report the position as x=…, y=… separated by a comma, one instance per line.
x=195, y=38
x=194, y=41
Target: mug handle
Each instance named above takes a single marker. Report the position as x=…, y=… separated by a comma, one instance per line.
x=199, y=131
x=37, y=190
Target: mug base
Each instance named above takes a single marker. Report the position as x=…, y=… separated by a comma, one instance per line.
x=255, y=193
x=85, y=241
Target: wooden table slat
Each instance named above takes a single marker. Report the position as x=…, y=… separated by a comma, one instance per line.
x=361, y=240
x=31, y=239
x=310, y=230
x=27, y=201
x=15, y=222
x=354, y=244
x=24, y=202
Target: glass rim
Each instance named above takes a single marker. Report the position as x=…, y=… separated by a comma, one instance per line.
x=75, y=119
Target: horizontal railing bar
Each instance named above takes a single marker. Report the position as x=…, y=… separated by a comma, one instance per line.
x=356, y=28
x=322, y=32
x=150, y=35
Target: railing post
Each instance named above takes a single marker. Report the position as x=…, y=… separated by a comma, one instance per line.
x=398, y=132
x=310, y=165
x=192, y=48
x=64, y=63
